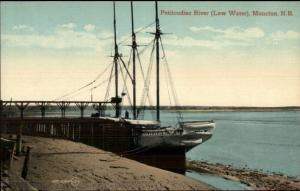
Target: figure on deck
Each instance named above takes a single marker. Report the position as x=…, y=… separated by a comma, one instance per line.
x=126, y=114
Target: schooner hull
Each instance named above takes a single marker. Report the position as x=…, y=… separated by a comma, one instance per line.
x=164, y=157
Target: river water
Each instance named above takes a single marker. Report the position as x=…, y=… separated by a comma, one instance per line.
x=265, y=141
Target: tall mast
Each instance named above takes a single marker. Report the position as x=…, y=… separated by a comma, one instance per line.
x=116, y=65
x=157, y=37
x=134, y=46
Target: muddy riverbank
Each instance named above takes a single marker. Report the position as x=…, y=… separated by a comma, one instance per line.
x=257, y=180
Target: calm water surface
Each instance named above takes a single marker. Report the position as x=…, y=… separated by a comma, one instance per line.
x=267, y=141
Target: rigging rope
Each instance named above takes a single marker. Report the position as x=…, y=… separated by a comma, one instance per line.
x=109, y=82
x=168, y=89
x=79, y=93
x=125, y=87
x=146, y=47
x=140, y=30
x=81, y=88
x=171, y=83
x=126, y=76
x=147, y=81
x=147, y=26
x=125, y=81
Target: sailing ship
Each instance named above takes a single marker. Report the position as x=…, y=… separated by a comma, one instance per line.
x=184, y=135
x=147, y=141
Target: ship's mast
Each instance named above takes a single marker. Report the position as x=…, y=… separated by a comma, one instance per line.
x=157, y=37
x=116, y=56
x=134, y=46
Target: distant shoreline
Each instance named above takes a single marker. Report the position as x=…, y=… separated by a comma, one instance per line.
x=191, y=108
x=227, y=108
x=231, y=109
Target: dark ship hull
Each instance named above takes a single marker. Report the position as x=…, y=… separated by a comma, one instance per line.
x=163, y=147
x=167, y=158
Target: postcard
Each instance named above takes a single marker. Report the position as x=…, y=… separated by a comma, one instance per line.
x=151, y=95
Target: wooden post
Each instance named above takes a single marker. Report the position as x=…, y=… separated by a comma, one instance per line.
x=92, y=134
x=42, y=106
x=63, y=106
x=82, y=106
x=1, y=115
x=19, y=139
x=7, y=152
x=21, y=107
x=25, y=165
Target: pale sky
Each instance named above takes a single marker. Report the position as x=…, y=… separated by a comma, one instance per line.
x=51, y=48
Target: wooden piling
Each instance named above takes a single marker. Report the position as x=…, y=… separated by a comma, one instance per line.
x=19, y=139
x=99, y=132
x=26, y=162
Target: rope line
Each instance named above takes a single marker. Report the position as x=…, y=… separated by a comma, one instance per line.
x=147, y=81
x=83, y=87
x=169, y=77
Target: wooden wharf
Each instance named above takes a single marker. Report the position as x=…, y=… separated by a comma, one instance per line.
x=114, y=136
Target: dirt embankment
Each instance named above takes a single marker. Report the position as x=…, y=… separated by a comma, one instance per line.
x=57, y=164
